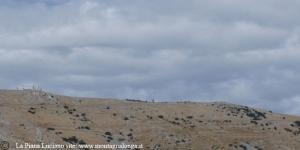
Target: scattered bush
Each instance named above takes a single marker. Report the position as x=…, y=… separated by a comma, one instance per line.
x=32, y=110
x=81, y=142
x=50, y=129
x=243, y=147
x=287, y=130
x=161, y=116
x=189, y=117
x=66, y=107
x=84, y=127
x=71, y=140
x=297, y=123
x=108, y=136
x=254, y=122
x=149, y=117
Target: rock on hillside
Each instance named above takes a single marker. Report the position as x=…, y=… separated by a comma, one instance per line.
x=36, y=117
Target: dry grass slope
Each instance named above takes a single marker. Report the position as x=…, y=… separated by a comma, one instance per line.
x=36, y=116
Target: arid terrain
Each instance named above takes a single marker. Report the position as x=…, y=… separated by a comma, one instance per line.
x=36, y=116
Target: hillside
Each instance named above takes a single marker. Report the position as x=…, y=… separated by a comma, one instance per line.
x=40, y=117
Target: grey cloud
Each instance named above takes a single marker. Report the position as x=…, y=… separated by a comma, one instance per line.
x=241, y=52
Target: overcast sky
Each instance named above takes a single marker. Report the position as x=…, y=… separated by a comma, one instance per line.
x=245, y=52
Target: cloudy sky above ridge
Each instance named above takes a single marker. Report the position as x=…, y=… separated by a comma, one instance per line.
x=245, y=52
